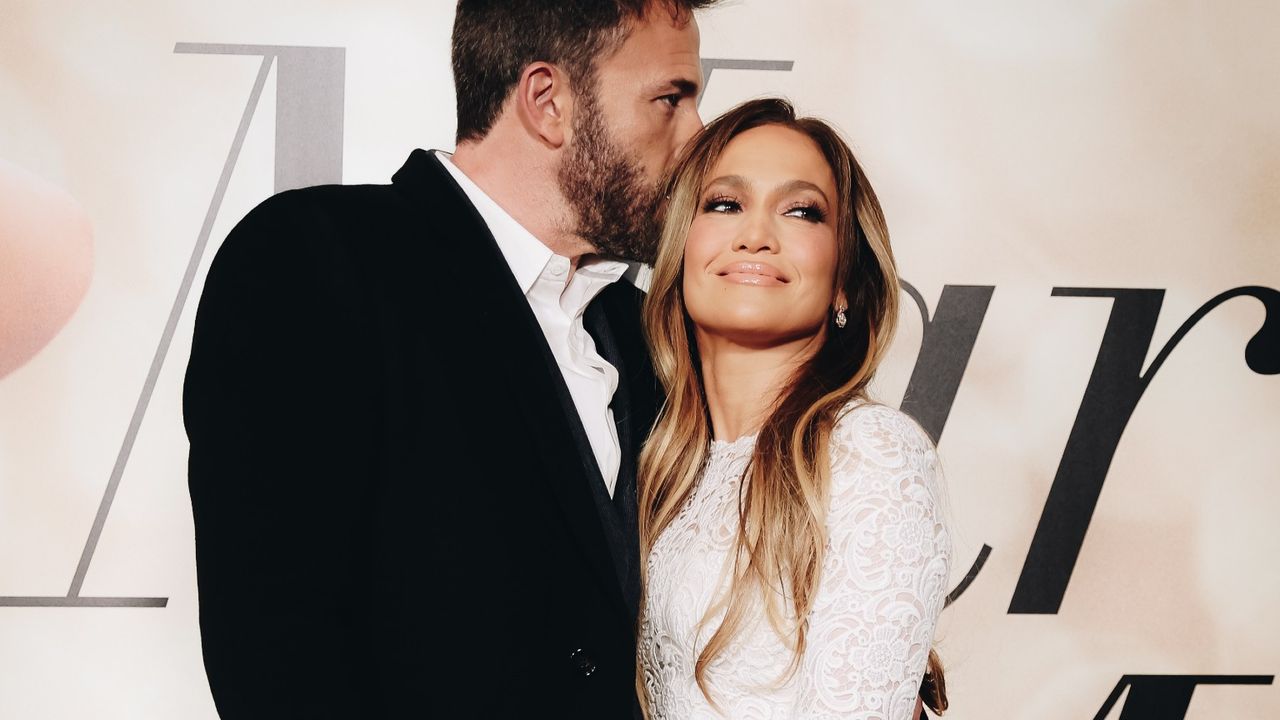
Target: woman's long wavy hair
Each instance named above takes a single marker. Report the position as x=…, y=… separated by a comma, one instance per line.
x=783, y=504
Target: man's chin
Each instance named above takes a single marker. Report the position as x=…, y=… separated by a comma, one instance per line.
x=627, y=251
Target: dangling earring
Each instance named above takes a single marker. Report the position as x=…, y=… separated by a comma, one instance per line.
x=841, y=320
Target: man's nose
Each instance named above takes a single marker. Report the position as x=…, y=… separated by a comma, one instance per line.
x=689, y=126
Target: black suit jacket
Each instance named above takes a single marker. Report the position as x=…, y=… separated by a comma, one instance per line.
x=396, y=510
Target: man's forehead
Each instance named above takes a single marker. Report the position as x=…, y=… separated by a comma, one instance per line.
x=662, y=47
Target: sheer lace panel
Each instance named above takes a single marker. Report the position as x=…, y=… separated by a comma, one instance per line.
x=881, y=591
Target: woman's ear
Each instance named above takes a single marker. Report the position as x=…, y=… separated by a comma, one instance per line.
x=543, y=102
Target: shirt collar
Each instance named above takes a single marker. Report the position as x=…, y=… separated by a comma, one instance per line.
x=525, y=254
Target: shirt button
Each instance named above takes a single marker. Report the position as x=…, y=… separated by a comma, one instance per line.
x=557, y=270
x=582, y=662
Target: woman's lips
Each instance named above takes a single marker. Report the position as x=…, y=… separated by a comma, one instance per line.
x=752, y=273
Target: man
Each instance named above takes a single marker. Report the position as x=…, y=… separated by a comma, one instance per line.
x=415, y=409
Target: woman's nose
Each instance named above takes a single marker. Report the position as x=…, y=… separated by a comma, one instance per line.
x=757, y=236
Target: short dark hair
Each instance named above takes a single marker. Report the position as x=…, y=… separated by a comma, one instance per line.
x=494, y=40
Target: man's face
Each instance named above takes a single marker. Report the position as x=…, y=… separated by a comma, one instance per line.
x=627, y=131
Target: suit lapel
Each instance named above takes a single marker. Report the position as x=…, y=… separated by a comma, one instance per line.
x=613, y=320
x=620, y=509
x=452, y=227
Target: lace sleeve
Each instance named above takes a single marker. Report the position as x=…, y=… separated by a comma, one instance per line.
x=884, y=578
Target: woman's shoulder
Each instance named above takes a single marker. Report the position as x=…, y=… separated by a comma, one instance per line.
x=881, y=433
x=884, y=466
x=881, y=450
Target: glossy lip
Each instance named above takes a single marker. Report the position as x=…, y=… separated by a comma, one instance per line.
x=752, y=273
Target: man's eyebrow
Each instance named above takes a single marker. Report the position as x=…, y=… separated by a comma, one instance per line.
x=686, y=87
x=683, y=86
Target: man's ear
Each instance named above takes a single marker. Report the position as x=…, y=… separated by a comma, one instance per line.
x=543, y=102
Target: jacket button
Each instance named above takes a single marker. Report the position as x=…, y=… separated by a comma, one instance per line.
x=582, y=662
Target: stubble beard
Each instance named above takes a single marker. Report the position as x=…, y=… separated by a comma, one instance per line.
x=615, y=208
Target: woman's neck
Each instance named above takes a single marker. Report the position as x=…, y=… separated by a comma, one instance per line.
x=742, y=382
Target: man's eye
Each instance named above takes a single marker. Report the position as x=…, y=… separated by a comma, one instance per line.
x=673, y=99
x=721, y=205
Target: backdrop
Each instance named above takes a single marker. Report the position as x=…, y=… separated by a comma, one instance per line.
x=1083, y=196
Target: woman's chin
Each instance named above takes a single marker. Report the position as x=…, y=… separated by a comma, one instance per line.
x=758, y=332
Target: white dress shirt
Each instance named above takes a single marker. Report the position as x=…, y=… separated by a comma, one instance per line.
x=558, y=300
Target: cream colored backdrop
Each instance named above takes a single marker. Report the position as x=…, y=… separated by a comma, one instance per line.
x=1019, y=145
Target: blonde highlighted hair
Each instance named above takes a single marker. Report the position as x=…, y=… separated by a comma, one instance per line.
x=782, y=515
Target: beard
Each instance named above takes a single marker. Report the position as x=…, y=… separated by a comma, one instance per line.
x=615, y=208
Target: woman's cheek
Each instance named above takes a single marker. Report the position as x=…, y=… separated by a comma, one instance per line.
x=46, y=262
x=695, y=300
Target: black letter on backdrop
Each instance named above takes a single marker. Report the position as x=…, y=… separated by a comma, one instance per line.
x=949, y=337
x=309, y=113
x=1114, y=388
x=1166, y=697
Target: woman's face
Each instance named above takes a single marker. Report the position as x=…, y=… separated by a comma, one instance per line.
x=760, y=259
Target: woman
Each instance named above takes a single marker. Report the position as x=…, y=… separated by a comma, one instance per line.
x=772, y=489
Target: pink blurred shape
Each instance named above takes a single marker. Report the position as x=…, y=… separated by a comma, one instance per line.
x=46, y=261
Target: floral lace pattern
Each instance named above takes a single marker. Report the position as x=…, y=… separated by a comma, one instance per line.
x=882, y=587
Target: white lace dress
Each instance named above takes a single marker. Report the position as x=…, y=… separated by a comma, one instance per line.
x=883, y=582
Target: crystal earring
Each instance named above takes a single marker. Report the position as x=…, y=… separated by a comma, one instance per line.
x=841, y=320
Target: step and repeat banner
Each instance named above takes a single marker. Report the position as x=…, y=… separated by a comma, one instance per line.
x=1084, y=197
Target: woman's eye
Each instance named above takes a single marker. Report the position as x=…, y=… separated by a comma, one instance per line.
x=721, y=205
x=812, y=213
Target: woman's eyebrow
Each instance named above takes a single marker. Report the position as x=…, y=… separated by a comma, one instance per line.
x=793, y=185
x=737, y=182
